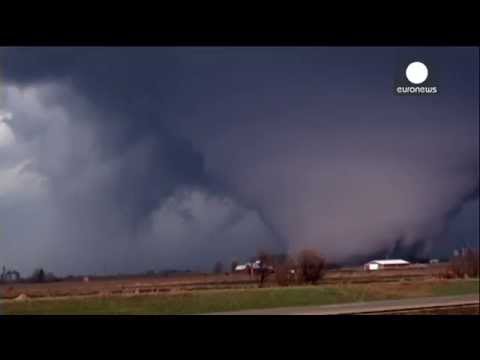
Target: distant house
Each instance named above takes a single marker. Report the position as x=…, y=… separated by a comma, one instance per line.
x=242, y=267
x=255, y=266
x=385, y=264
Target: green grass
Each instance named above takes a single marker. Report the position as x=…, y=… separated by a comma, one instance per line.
x=229, y=300
x=456, y=288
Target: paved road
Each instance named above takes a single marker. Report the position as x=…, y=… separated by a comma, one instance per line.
x=365, y=307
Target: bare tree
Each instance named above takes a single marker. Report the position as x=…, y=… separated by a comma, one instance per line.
x=465, y=264
x=311, y=266
x=264, y=268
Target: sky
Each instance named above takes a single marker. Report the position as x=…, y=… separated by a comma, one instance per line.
x=116, y=160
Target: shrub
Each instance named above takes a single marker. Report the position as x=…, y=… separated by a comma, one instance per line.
x=50, y=277
x=311, y=266
x=38, y=276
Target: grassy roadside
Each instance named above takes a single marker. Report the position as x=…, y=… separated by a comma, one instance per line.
x=230, y=300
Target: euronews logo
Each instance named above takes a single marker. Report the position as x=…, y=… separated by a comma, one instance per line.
x=415, y=78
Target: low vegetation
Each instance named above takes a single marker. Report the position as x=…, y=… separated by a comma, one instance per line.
x=40, y=276
x=194, y=302
x=311, y=267
x=285, y=272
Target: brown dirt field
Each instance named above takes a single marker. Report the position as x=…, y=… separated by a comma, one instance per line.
x=130, y=285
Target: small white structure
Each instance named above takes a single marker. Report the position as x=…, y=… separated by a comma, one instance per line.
x=242, y=267
x=255, y=266
x=385, y=264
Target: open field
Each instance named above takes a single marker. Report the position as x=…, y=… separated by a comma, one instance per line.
x=104, y=286
x=201, y=301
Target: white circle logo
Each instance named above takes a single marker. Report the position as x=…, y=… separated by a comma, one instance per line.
x=417, y=72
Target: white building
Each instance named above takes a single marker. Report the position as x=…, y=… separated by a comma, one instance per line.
x=249, y=265
x=385, y=264
x=242, y=267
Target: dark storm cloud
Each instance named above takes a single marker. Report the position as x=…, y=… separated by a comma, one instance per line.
x=98, y=204
x=307, y=145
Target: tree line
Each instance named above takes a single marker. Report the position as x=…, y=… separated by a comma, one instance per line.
x=38, y=276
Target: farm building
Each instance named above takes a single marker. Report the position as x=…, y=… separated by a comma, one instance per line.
x=385, y=264
x=247, y=266
x=255, y=267
x=242, y=267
